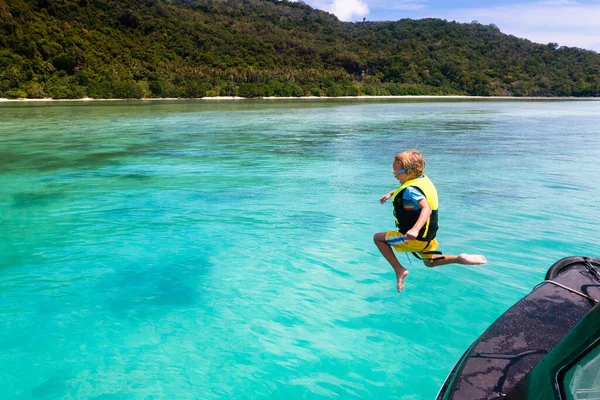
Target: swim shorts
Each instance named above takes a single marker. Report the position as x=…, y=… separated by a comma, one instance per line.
x=394, y=239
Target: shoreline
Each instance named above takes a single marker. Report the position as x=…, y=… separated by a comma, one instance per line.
x=236, y=98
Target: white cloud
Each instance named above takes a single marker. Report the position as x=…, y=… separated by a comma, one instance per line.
x=346, y=10
x=569, y=23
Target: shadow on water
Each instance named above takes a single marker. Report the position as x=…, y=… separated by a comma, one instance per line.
x=140, y=292
x=42, y=161
x=100, y=158
x=458, y=127
x=53, y=387
x=7, y=159
x=36, y=198
x=46, y=161
x=137, y=177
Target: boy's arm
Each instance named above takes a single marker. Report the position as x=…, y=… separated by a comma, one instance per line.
x=423, y=217
x=386, y=196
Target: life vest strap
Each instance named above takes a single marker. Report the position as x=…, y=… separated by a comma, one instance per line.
x=428, y=252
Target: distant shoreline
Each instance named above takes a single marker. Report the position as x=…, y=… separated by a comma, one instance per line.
x=5, y=100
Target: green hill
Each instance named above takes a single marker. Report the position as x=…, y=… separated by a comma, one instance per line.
x=195, y=48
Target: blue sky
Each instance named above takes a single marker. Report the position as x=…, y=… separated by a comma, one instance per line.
x=573, y=23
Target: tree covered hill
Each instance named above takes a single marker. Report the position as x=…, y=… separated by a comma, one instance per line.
x=253, y=48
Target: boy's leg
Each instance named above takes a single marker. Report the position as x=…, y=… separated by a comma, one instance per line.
x=435, y=260
x=463, y=259
x=388, y=253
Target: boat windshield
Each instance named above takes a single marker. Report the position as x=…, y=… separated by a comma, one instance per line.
x=582, y=380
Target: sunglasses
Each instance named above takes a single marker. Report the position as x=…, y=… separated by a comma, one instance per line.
x=400, y=171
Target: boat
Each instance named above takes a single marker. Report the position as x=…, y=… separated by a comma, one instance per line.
x=545, y=347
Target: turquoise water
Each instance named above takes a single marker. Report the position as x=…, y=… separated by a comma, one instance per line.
x=224, y=250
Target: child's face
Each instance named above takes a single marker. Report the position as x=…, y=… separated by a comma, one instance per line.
x=399, y=172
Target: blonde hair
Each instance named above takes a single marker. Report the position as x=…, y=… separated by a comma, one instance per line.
x=412, y=161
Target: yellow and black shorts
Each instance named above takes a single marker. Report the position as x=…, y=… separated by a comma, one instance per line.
x=426, y=250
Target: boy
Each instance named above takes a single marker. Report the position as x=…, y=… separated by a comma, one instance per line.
x=416, y=211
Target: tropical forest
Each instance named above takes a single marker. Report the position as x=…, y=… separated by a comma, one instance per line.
x=105, y=49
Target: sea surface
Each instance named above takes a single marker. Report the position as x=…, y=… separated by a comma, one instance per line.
x=223, y=250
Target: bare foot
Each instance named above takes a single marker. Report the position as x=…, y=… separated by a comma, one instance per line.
x=400, y=275
x=471, y=259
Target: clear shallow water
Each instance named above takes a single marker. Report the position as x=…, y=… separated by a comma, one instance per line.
x=224, y=250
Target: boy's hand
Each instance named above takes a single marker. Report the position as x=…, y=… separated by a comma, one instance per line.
x=412, y=234
x=385, y=198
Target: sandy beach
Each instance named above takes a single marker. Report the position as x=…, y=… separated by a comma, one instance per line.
x=48, y=99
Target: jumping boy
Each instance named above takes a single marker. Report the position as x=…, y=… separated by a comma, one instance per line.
x=416, y=211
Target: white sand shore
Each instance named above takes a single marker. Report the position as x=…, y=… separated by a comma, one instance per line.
x=48, y=99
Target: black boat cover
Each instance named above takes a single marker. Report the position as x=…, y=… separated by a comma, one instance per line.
x=521, y=337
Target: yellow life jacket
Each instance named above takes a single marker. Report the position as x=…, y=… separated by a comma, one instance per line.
x=406, y=217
